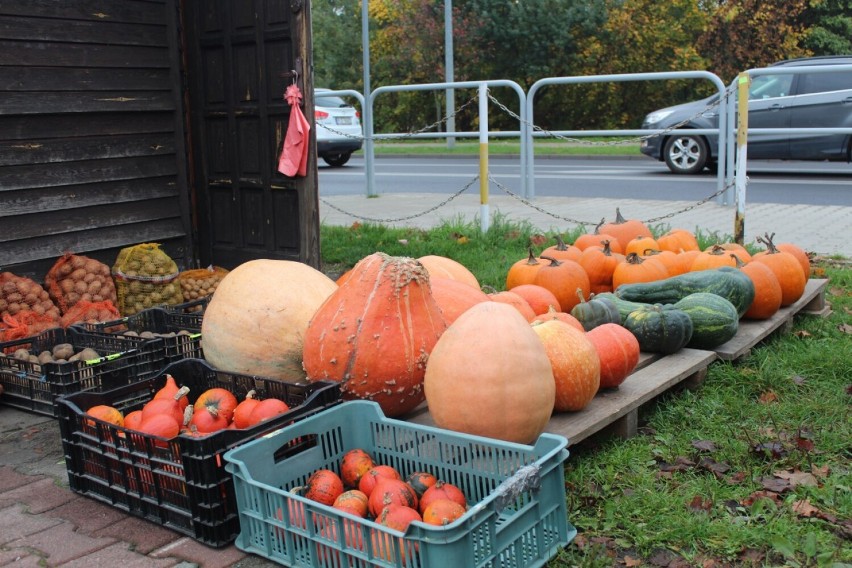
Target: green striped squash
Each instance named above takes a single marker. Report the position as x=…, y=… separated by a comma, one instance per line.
x=714, y=319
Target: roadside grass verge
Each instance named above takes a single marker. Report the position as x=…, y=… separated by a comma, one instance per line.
x=591, y=146
x=751, y=469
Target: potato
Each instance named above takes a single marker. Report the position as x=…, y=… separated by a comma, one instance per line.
x=21, y=354
x=63, y=351
x=88, y=354
x=45, y=357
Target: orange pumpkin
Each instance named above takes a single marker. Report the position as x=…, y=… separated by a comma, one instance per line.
x=256, y=321
x=442, y=490
x=538, y=297
x=637, y=269
x=107, y=414
x=715, y=256
x=442, y=512
x=736, y=248
x=641, y=244
x=443, y=267
x=671, y=261
x=354, y=464
x=800, y=255
x=133, y=419
x=618, y=352
x=353, y=502
x=390, y=491
x=599, y=264
x=678, y=240
x=375, y=332
x=454, y=297
x=565, y=317
x=566, y=279
x=479, y=358
x=370, y=479
x=323, y=486
x=420, y=481
x=786, y=268
x=597, y=238
x=207, y=421
x=243, y=410
x=218, y=402
x=388, y=546
x=266, y=409
x=170, y=389
x=575, y=364
x=516, y=301
x=561, y=251
x=523, y=271
x=625, y=230
x=767, y=289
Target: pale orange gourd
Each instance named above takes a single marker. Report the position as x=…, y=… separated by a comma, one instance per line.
x=574, y=362
x=443, y=267
x=454, y=297
x=255, y=323
x=479, y=358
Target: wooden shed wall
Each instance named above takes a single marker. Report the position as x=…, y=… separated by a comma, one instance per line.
x=92, y=150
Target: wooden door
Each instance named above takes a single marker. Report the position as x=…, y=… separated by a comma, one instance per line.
x=240, y=58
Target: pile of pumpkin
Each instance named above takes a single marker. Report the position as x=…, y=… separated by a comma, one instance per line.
x=169, y=413
x=400, y=331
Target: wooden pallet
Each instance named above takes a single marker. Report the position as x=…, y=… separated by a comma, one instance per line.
x=617, y=410
x=752, y=332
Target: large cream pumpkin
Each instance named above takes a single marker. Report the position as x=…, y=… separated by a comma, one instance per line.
x=255, y=322
x=489, y=375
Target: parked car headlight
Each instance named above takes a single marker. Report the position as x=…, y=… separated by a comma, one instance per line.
x=657, y=116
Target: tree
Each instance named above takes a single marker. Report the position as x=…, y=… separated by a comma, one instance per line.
x=744, y=34
x=829, y=27
x=337, y=53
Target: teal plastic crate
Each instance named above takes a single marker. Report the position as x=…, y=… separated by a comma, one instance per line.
x=517, y=515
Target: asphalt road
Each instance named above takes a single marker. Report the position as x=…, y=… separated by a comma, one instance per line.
x=812, y=183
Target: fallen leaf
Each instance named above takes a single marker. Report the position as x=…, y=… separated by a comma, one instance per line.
x=775, y=484
x=770, y=450
x=629, y=561
x=462, y=240
x=704, y=445
x=803, y=508
x=714, y=467
x=699, y=503
x=355, y=226
x=767, y=397
x=750, y=500
x=799, y=380
x=804, y=445
x=797, y=478
x=752, y=556
x=801, y=333
x=736, y=478
x=820, y=471
x=681, y=464
x=538, y=240
x=845, y=328
x=662, y=557
x=849, y=390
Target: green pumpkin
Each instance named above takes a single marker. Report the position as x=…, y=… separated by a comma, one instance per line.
x=596, y=311
x=728, y=282
x=714, y=319
x=660, y=328
x=624, y=306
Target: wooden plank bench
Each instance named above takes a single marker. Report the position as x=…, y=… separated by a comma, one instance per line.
x=618, y=409
x=752, y=332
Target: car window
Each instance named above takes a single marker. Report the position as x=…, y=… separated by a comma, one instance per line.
x=824, y=82
x=329, y=101
x=770, y=86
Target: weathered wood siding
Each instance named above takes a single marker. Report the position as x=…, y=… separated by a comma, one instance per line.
x=92, y=152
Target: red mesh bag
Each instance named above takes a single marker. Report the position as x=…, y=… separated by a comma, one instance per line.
x=90, y=312
x=74, y=278
x=25, y=324
x=19, y=294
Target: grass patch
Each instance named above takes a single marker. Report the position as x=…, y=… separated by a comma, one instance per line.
x=752, y=469
x=499, y=146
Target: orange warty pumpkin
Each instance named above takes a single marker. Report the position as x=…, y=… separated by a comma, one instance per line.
x=354, y=464
x=442, y=490
x=370, y=479
x=256, y=321
x=618, y=352
x=443, y=267
x=625, y=230
x=323, y=486
x=454, y=297
x=574, y=362
x=479, y=358
x=442, y=512
x=390, y=491
x=353, y=502
x=375, y=332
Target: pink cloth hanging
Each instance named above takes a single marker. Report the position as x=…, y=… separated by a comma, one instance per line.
x=294, y=155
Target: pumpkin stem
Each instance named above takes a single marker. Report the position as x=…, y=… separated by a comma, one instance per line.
x=634, y=258
x=606, y=248
x=489, y=289
x=187, y=415
x=531, y=259
x=560, y=243
x=618, y=218
x=599, y=225
x=580, y=295
x=251, y=394
x=181, y=392
x=738, y=261
x=717, y=250
x=651, y=252
x=767, y=240
x=553, y=261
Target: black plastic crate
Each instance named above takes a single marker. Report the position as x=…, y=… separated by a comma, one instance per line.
x=181, y=333
x=190, y=313
x=180, y=483
x=35, y=387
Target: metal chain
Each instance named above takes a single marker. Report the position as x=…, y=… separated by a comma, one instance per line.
x=626, y=141
x=593, y=223
x=409, y=217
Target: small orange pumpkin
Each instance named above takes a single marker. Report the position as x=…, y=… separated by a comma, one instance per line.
x=515, y=300
x=354, y=464
x=443, y=267
x=442, y=490
x=323, y=486
x=640, y=244
x=786, y=268
x=369, y=480
x=538, y=297
x=107, y=414
x=625, y=230
x=767, y=289
x=800, y=255
x=618, y=352
x=561, y=251
x=599, y=264
x=266, y=409
x=564, y=278
x=442, y=512
x=597, y=238
x=552, y=314
x=523, y=271
x=391, y=491
x=715, y=256
x=353, y=502
x=678, y=240
x=637, y=269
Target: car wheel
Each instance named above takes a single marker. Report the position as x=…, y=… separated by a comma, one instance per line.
x=686, y=154
x=337, y=160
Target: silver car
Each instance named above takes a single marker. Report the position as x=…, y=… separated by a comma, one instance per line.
x=338, y=128
x=801, y=100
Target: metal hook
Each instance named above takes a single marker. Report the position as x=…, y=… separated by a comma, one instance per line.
x=295, y=76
